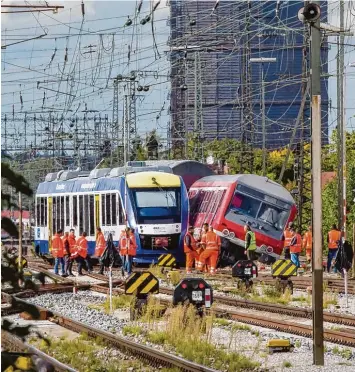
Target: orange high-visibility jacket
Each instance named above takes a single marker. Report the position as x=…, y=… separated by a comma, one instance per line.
x=72, y=243
x=100, y=244
x=132, y=246
x=288, y=237
x=57, y=246
x=212, y=241
x=297, y=247
x=307, y=240
x=333, y=237
x=124, y=243
x=193, y=244
x=82, y=245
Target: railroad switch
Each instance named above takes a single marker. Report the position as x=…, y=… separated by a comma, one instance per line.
x=245, y=270
x=279, y=345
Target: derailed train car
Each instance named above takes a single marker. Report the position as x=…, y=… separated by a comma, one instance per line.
x=151, y=200
x=228, y=202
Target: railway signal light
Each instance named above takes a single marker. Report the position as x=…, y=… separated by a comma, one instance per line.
x=245, y=270
x=194, y=291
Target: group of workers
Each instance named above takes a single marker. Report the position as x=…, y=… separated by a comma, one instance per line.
x=66, y=249
x=293, y=244
x=203, y=251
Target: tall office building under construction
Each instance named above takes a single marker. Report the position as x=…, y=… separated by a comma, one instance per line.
x=240, y=69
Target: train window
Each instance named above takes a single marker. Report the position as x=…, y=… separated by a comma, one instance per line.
x=273, y=216
x=67, y=211
x=54, y=214
x=61, y=224
x=103, y=209
x=114, y=210
x=245, y=204
x=38, y=211
x=85, y=216
x=75, y=210
x=92, y=215
x=120, y=211
x=108, y=209
x=80, y=216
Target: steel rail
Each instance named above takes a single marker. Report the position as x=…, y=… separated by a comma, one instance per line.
x=153, y=357
x=261, y=306
x=19, y=345
x=340, y=337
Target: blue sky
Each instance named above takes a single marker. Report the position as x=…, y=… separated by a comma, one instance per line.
x=36, y=67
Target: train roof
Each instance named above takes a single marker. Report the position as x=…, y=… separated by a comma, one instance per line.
x=260, y=183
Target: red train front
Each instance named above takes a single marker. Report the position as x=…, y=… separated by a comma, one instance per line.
x=228, y=202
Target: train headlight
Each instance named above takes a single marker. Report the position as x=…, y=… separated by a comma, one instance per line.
x=225, y=232
x=232, y=235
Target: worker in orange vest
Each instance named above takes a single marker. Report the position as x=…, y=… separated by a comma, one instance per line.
x=212, y=242
x=124, y=245
x=72, y=248
x=58, y=252
x=82, y=245
x=66, y=251
x=100, y=247
x=287, y=240
x=190, y=249
x=201, y=248
x=295, y=247
x=307, y=243
x=131, y=251
x=334, y=236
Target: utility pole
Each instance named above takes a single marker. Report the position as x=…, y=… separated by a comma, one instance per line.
x=312, y=14
x=263, y=128
x=340, y=116
x=198, y=114
x=20, y=233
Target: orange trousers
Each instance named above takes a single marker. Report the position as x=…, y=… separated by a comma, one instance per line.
x=210, y=254
x=309, y=253
x=190, y=258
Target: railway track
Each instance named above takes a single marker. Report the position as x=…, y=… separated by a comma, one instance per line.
x=12, y=343
x=261, y=306
x=343, y=337
x=153, y=357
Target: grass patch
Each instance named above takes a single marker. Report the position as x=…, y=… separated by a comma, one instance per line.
x=286, y=364
x=118, y=302
x=86, y=354
x=134, y=330
x=189, y=334
x=298, y=343
x=273, y=296
x=329, y=299
x=240, y=327
x=157, y=271
x=221, y=322
x=174, y=277
x=153, y=311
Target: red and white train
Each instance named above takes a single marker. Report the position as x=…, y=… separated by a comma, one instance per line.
x=228, y=202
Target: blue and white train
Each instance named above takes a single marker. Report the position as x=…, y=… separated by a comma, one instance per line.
x=151, y=200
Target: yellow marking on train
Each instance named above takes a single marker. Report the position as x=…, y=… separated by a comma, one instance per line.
x=153, y=180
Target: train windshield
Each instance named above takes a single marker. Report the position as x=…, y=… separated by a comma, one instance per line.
x=154, y=206
x=263, y=212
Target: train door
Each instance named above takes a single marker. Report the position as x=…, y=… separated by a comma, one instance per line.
x=50, y=223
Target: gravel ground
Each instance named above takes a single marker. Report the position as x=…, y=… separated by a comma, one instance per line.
x=253, y=343
x=75, y=307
